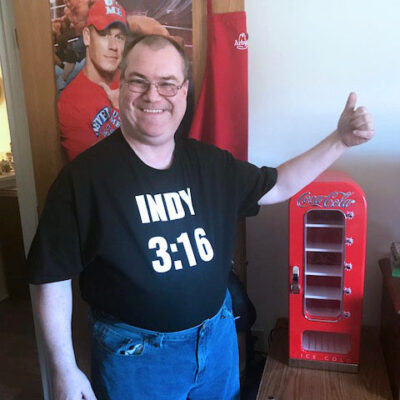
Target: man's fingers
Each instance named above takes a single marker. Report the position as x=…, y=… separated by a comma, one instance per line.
x=366, y=135
x=360, y=111
x=363, y=127
x=351, y=101
x=363, y=122
x=88, y=394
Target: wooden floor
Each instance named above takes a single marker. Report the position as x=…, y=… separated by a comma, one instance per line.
x=19, y=365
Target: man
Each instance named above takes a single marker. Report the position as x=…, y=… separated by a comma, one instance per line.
x=88, y=107
x=148, y=222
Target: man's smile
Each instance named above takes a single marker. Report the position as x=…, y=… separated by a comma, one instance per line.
x=152, y=110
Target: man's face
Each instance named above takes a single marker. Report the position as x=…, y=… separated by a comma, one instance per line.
x=150, y=117
x=104, y=48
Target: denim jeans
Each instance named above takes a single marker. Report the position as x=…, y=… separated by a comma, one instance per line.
x=199, y=363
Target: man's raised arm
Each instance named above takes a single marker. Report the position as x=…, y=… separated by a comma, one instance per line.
x=52, y=306
x=355, y=127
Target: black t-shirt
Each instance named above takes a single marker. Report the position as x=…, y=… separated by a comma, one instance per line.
x=153, y=247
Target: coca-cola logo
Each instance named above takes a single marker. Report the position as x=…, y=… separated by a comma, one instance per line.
x=332, y=200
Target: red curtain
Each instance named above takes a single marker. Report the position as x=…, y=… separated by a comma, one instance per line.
x=221, y=115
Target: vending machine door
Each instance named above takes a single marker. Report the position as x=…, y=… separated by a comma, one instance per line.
x=327, y=234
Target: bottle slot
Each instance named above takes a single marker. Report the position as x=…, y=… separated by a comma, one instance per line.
x=323, y=259
x=323, y=308
x=324, y=263
x=324, y=231
x=324, y=270
x=327, y=342
x=326, y=217
x=324, y=236
x=323, y=287
x=323, y=293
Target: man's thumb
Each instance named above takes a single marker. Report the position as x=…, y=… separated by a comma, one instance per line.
x=351, y=101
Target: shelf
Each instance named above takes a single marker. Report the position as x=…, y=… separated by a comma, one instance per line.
x=324, y=270
x=325, y=247
x=323, y=311
x=323, y=293
x=321, y=225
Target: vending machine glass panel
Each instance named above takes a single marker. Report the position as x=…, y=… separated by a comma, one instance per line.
x=324, y=248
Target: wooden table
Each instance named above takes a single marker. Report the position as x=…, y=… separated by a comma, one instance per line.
x=390, y=324
x=281, y=382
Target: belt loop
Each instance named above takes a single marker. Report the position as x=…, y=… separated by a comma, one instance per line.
x=209, y=7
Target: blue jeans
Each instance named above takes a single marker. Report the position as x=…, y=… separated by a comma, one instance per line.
x=200, y=363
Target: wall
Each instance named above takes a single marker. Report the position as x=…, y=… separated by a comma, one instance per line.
x=305, y=57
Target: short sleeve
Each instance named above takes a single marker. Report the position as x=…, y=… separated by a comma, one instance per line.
x=251, y=184
x=55, y=251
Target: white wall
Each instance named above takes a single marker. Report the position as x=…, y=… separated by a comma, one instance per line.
x=304, y=59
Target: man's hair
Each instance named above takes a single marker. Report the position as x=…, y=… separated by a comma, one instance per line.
x=155, y=42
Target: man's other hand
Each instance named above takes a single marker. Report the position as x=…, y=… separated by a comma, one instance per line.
x=355, y=126
x=112, y=95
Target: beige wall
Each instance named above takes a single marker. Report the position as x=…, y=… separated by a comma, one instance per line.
x=304, y=59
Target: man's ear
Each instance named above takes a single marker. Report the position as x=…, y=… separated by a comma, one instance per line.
x=185, y=87
x=86, y=36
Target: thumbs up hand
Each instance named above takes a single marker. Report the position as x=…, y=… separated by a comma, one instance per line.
x=355, y=126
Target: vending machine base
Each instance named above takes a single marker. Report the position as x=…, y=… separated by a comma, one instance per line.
x=324, y=365
x=283, y=382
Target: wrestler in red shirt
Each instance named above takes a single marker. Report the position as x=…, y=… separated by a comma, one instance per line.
x=88, y=107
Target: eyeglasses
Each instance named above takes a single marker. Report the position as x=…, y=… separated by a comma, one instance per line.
x=164, y=88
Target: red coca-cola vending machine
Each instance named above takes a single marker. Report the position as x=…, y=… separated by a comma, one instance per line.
x=327, y=234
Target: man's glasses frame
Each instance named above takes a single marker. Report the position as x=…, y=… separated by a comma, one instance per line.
x=164, y=88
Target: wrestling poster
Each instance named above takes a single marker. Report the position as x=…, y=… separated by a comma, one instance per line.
x=88, y=41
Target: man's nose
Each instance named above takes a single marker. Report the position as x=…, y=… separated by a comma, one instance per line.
x=152, y=93
x=112, y=43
